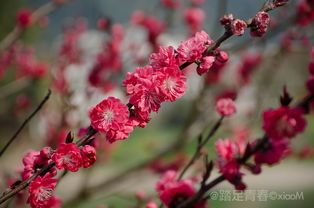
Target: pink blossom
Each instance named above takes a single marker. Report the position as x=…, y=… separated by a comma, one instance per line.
x=165, y=57
x=238, y=27
x=68, y=156
x=41, y=191
x=172, y=192
x=222, y=57
x=227, y=149
x=192, y=49
x=151, y=205
x=194, y=17
x=24, y=18
x=172, y=82
x=283, y=122
x=205, y=65
x=273, y=152
x=33, y=161
x=102, y=23
x=260, y=24
x=137, y=17
x=135, y=79
x=226, y=107
x=109, y=114
x=226, y=19
x=88, y=156
x=147, y=97
x=228, y=152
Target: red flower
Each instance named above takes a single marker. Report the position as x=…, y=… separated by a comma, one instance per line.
x=151, y=205
x=226, y=107
x=68, y=156
x=238, y=27
x=41, y=191
x=273, y=152
x=33, y=161
x=194, y=18
x=192, y=49
x=172, y=192
x=110, y=114
x=206, y=64
x=24, y=18
x=228, y=152
x=88, y=155
x=284, y=122
x=172, y=82
x=165, y=57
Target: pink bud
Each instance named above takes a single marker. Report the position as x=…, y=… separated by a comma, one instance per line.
x=222, y=57
x=238, y=27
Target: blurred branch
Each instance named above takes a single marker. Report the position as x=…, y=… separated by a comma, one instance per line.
x=200, y=145
x=36, y=15
x=251, y=151
x=25, y=122
x=14, y=86
x=222, y=9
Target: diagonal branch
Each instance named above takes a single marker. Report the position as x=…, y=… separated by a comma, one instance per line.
x=25, y=122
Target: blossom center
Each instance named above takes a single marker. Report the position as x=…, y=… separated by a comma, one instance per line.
x=108, y=116
x=44, y=193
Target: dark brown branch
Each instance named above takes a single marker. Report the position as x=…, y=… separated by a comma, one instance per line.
x=200, y=145
x=25, y=122
x=197, y=197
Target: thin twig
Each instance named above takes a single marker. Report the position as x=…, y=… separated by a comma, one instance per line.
x=41, y=104
x=200, y=145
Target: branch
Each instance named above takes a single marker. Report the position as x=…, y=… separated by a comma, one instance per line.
x=7, y=195
x=25, y=122
x=303, y=103
x=201, y=144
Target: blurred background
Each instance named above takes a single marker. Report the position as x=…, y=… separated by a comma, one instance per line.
x=82, y=51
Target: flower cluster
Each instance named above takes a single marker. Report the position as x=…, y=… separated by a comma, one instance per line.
x=284, y=122
x=305, y=12
x=41, y=193
x=228, y=152
x=67, y=156
x=153, y=25
x=172, y=192
x=108, y=61
x=194, y=18
x=35, y=160
x=160, y=81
